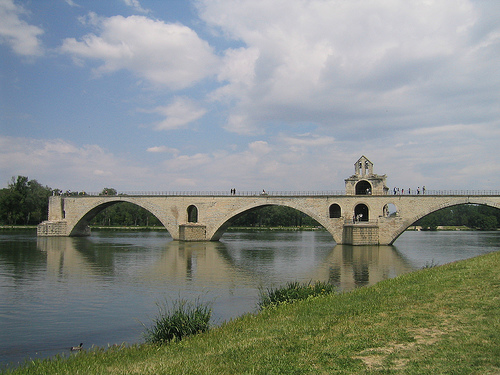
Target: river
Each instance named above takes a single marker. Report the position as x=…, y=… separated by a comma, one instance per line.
x=100, y=290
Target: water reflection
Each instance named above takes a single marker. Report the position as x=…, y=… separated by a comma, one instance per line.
x=185, y=262
x=350, y=267
x=223, y=264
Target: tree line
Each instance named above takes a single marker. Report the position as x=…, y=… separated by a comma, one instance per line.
x=25, y=202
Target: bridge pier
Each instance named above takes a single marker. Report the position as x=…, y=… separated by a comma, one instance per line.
x=360, y=234
x=192, y=232
x=59, y=228
x=52, y=228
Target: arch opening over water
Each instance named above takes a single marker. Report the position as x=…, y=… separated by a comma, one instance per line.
x=462, y=211
x=129, y=214
x=269, y=215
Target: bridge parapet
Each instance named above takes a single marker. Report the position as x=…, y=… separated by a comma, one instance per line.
x=279, y=193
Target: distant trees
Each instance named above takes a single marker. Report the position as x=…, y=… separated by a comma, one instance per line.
x=24, y=202
x=274, y=216
x=125, y=214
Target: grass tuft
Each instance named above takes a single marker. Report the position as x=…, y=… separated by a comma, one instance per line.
x=293, y=291
x=175, y=322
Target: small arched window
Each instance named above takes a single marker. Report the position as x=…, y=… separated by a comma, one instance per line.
x=192, y=213
x=390, y=210
x=335, y=211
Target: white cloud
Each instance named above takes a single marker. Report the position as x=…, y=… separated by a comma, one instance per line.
x=165, y=54
x=241, y=124
x=22, y=37
x=163, y=149
x=184, y=162
x=134, y=4
x=71, y=3
x=259, y=148
x=309, y=140
x=178, y=114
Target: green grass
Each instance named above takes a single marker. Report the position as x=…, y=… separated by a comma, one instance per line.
x=439, y=320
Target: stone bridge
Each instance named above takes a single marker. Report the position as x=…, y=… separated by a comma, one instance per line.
x=205, y=218
x=366, y=214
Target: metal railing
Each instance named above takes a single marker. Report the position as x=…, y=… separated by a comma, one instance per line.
x=306, y=193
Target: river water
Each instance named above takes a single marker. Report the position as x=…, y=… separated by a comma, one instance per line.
x=100, y=290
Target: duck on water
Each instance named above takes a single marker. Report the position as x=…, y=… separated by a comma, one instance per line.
x=76, y=348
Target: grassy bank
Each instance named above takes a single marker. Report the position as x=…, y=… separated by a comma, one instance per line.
x=442, y=320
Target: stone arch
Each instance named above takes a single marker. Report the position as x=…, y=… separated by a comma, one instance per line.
x=335, y=211
x=362, y=212
x=219, y=229
x=81, y=226
x=364, y=187
x=409, y=222
x=192, y=214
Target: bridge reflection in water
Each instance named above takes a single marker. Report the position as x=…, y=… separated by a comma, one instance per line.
x=221, y=265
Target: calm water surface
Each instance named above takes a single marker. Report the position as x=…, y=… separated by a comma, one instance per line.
x=99, y=290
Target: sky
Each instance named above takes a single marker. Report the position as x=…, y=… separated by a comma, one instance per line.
x=281, y=95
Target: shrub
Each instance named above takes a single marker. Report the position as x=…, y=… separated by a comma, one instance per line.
x=293, y=291
x=184, y=318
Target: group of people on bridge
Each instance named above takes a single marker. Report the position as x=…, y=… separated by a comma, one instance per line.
x=398, y=191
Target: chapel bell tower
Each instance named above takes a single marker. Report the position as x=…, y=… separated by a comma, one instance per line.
x=364, y=181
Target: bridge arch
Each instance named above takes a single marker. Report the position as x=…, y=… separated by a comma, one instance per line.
x=405, y=224
x=221, y=228
x=84, y=218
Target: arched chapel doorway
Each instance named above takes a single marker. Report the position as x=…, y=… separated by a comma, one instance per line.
x=361, y=212
x=363, y=188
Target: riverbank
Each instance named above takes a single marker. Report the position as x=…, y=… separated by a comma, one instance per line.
x=437, y=320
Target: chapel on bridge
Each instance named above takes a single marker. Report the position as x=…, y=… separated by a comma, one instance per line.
x=364, y=181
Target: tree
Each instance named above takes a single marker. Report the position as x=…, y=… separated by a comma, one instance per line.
x=24, y=202
x=108, y=191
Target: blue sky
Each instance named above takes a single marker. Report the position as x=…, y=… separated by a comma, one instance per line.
x=282, y=95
